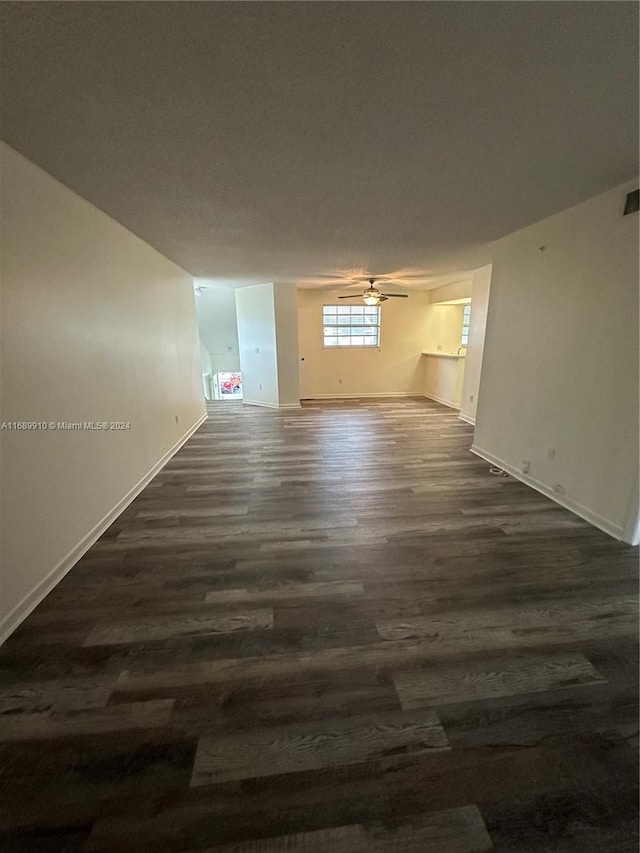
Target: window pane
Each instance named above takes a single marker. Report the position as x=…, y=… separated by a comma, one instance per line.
x=351, y=325
x=466, y=319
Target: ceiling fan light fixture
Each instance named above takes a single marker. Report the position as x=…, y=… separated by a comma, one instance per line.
x=372, y=296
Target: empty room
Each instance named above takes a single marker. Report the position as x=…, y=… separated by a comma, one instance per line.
x=319, y=427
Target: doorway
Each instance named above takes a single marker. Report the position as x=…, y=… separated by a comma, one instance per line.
x=227, y=386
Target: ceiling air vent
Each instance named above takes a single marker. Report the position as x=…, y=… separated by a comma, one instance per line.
x=633, y=202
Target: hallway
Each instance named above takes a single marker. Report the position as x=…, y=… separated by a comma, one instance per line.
x=330, y=623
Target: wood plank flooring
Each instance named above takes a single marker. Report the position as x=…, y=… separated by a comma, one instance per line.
x=313, y=746
x=329, y=629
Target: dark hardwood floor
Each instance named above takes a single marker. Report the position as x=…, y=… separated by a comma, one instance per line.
x=329, y=630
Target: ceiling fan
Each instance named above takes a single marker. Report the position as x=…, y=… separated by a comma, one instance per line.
x=372, y=296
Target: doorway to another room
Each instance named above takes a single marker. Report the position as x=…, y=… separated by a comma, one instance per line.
x=226, y=386
x=219, y=351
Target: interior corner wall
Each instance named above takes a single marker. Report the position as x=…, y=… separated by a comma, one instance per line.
x=205, y=357
x=217, y=325
x=255, y=310
x=443, y=333
x=559, y=383
x=455, y=290
x=205, y=367
x=286, y=319
x=475, y=348
x=97, y=327
x=443, y=328
x=395, y=368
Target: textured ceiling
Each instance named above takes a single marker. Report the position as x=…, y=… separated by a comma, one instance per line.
x=284, y=141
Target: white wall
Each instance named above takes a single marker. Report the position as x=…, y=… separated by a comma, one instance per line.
x=443, y=333
x=443, y=379
x=97, y=326
x=395, y=368
x=560, y=366
x=268, y=341
x=473, y=362
x=205, y=357
x=286, y=319
x=257, y=343
x=455, y=290
x=443, y=329
x=217, y=325
x=205, y=367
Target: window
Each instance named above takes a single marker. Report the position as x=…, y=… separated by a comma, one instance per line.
x=466, y=317
x=351, y=325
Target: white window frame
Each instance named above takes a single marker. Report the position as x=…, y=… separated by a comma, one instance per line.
x=351, y=311
x=466, y=322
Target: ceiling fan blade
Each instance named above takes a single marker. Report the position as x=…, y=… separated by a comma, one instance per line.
x=383, y=298
x=355, y=296
x=396, y=295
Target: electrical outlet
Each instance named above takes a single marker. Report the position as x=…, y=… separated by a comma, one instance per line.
x=257, y=350
x=558, y=489
x=177, y=419
x=551, y=453
x=526, y=466
x=229, y=349
x=339, y=381
x=260, y=386
x=471, y=398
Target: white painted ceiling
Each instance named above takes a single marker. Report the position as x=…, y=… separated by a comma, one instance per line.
x=303, y=141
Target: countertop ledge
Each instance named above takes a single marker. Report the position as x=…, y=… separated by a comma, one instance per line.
x=446, y=354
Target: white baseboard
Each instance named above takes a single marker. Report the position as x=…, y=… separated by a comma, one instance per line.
x=444, y=402
x=583, y=512
x=271, y=405
x=631, y=529
x=31, y=600
x=467, y=419
x=246, y=402
x=363, y=396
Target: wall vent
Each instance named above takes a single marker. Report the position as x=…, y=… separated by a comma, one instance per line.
x=632, y=203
